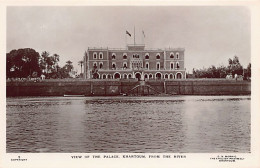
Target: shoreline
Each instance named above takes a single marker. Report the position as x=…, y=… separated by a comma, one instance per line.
x=94, y=88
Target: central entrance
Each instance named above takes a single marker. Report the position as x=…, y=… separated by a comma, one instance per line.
x=158, y=76
x=116, y=75
x=138, y=76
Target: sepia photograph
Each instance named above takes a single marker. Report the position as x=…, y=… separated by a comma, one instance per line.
x=129, y=81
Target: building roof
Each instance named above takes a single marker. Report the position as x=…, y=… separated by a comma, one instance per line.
x=135, y=47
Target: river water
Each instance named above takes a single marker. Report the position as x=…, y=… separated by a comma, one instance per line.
x=181, y=124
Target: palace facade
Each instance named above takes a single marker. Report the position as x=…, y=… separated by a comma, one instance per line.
x=135, y=61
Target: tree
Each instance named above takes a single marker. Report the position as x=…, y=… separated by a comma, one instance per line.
x=234, y=67
x=22, y=63
x=249, y=70
x=56, y=59
x=43, y=61
x=69, y=65
x=49, y=64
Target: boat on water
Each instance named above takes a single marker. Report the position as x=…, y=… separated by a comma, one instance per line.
x=66, y=95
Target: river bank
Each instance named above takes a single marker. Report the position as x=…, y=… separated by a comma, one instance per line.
x=127, y=87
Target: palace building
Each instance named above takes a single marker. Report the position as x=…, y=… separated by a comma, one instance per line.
x=135, y=61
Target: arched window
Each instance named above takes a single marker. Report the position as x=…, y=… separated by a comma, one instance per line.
x=158, y=65
x=171, y=76
x=113, y=56
x=108, y=76
x=100, y=55
x=94, y=55
x=172, y=65
x=124, y=65
x=177, y=65
x=117, y=75
x=147, y=65
x=179, y=75
x=113, y=65
x=171, y=55
x=100, y=65
x=147, y=56
x=145, y=76
x=129, y=76
x=157, y=56
x=94, y=65
x=125, y=76
x=150, y=76
x=104, y=76
x=158, y=75
x=177, y=55
x=124, y=56
x=98, y=76
x=166, y=76
x=135, y=55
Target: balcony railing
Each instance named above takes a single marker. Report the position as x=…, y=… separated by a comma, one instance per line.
x=151, y=49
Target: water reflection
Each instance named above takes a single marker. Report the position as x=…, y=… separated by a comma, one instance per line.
x=129, y=124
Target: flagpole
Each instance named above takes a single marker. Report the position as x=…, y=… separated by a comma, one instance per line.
x=125, y=39
x=144, y=39
x=134, y=35
x=143, y=36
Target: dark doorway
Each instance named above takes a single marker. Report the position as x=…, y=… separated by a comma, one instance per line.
x=138, y=76
x=179, y=75
x=117, y=76
x=158, y=76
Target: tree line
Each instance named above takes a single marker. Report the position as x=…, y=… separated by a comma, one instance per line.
x=26, y=62
x=233, y=67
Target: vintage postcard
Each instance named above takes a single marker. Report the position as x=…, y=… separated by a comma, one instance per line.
x=141, y=84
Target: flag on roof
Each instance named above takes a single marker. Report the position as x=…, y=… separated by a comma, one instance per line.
x=128, y=33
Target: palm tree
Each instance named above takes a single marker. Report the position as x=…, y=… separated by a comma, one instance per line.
x=43, y=62
x=69, y=65
x=56, y=58
x=81, y=64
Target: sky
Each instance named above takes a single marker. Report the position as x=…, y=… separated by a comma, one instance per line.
x=210, y=34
